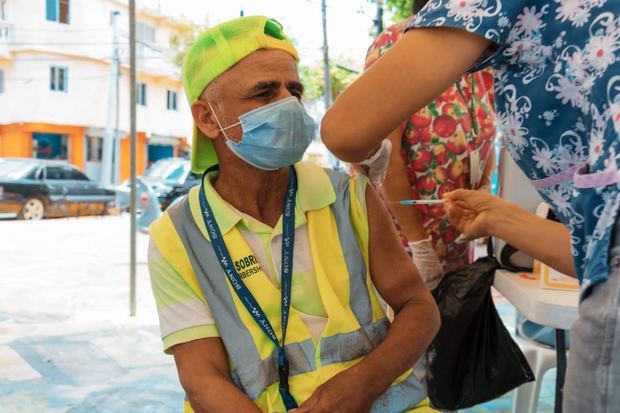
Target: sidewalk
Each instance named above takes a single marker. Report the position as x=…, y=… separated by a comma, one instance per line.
x=67, y=343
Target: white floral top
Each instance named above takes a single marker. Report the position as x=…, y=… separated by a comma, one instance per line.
x=558, y=101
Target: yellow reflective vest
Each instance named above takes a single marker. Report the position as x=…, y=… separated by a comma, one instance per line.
x=356, y=322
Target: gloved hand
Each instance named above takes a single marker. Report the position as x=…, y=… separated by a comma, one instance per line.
x=378, y=163
x=426, y=261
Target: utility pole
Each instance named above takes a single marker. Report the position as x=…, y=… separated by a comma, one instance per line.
x=327, y=86
x=117, y=136
x=109, y=139
x=132, y=150
x=379, y=18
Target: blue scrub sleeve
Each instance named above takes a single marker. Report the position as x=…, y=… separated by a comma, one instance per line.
x=495, y=20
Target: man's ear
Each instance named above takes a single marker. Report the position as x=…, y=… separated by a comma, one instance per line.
x=205, y=120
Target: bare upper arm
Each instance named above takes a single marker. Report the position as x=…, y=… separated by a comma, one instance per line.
x=392, y=269
x=198, y=359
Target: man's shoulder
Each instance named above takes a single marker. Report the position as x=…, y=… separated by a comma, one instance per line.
x=329, y=184
x=315, y=171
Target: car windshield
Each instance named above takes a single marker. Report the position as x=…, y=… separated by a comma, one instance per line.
x=15, y=169
x=169, y=172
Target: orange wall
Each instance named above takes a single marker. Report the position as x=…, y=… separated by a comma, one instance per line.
x=16, y=140
x=140, y=154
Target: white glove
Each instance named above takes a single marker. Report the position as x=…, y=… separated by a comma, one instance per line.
x=426, y=261
x=378, y=163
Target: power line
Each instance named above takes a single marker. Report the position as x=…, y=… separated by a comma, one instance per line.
x=71, y=59
x=35, y=79
x=29, y=30
x=101, y=43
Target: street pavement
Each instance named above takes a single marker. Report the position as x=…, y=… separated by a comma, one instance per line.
x=67, y=343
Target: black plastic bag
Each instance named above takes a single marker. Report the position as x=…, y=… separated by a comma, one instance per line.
x=472, y=359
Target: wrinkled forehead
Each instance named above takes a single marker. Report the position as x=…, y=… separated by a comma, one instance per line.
x=261, y=66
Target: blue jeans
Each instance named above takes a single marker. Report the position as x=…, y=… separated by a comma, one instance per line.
x=593, y=376
x=539, y=333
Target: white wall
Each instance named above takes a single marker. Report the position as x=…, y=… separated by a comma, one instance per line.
x=29, y=98
x=37, y=44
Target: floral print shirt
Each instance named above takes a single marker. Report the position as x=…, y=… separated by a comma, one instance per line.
x=557, y=80
x=436, y=146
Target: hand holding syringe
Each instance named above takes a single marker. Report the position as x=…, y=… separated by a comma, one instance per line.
x=461, y=239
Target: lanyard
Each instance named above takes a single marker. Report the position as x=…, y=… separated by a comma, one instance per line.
x=242, y=291
x=472, y=103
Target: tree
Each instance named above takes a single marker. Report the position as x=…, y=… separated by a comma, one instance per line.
x=312, y=79
x=184, y=32
x=399, y=9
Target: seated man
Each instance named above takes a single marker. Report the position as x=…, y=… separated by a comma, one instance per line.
x=265, y=274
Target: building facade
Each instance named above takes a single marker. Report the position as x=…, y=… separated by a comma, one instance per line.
x=58, y=85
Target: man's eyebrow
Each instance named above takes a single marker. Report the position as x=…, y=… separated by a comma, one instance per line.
x=263, y=86
x=295, y=86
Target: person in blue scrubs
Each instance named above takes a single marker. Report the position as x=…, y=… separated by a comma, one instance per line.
x=557, y=77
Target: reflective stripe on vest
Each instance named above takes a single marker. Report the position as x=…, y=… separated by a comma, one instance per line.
x=254, y=375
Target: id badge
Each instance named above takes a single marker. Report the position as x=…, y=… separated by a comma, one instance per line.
x=475, y=170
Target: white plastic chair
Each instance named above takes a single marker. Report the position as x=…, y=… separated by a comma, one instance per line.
x=541, y=359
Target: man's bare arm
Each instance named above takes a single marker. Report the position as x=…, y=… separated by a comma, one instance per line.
x=415, y=324
x=205, y=377
x=416, y=317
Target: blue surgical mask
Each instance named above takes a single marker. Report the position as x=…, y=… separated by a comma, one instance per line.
x=274, y=136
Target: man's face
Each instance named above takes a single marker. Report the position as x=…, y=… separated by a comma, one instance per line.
x=259, y=79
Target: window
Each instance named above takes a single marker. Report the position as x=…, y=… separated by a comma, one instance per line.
x=3, y=9
x=59, y=78
x=141, y=94
x=50, y=146
x=94, y=149
x=172, y=100
x=73, y=174
x=1, y=81
x=114, y=15
x=145, y=36
x=53, y=172
x=177, y=174
x=145, y=33
x=57, y=11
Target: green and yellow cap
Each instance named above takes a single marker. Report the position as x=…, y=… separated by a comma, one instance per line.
x=217, y=50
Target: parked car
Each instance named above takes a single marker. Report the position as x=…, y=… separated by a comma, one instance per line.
x=37, y=189
x=168, y=178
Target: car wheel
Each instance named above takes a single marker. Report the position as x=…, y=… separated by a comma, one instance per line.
x=33, y=209
x=105, y=210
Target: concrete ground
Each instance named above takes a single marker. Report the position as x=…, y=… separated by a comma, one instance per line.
x=67, y=343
